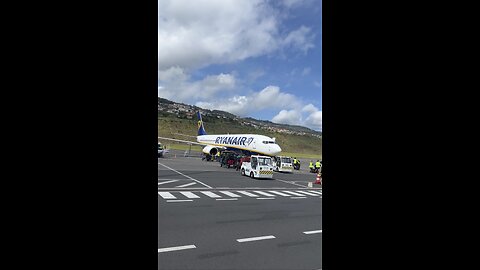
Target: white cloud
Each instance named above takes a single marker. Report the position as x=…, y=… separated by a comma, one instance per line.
x=310, y=108
x=291, y=117
x=295, y=117
x=300, y=38
x=193, y=34
x=172, y=74
x=314, y=121
x=317, y=84
x=176, y=87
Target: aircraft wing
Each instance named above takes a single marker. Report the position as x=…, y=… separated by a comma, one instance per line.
x=182, y=141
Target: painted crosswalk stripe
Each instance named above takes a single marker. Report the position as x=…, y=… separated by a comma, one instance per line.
x=166, y=182
x=313, y=191
x=186, y=185
x=230, y=194
x=298, y=197
x=279, y=193
x=308, y=193
x=269, y=198
x=175, y=248
x=166, y=195
x=189, y=194
x=179, y=200
x=229, y=199
x=264, y=193
x=247, y=193
x=294, y=193
x=210, y=194
x=312, y=232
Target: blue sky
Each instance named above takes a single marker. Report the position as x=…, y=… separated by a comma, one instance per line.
x=257, y=58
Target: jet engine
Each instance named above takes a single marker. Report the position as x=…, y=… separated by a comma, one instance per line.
x=210, y=150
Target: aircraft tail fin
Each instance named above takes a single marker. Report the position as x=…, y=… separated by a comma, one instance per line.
x=201, y=129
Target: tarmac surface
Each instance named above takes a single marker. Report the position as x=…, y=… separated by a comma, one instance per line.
x=211, y=217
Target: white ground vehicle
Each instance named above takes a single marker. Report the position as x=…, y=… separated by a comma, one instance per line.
x=258, y=167
x=282, y=164
x=162, y=150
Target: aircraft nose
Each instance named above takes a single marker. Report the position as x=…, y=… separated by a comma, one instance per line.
x=277, y=149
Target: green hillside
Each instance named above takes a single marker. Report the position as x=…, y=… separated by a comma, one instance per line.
x=169, y=124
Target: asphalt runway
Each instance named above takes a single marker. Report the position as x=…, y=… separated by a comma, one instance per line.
x=211, y=217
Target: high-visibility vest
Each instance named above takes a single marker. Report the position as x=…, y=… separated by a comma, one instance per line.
x=318, y=164
x=295, y=161
x=311, y=165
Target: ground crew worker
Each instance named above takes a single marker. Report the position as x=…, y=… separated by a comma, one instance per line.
x=317, y=164
x=295, y=160
x=311, y=165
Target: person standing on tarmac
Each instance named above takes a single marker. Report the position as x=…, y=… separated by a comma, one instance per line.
x=318, y=166
x=311, y=166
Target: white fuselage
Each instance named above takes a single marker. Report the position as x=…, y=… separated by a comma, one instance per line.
x=249, y=142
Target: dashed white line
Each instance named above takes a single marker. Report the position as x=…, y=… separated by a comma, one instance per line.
x=312, y=232
x=179, y=200
x=185, y=175
x=308, y=193
x=230, y=194
x=166, y=182
x=230, y=199
x=166, y=195
x=317, y=192
x=294, y=193
x=298, y=197
x=255, y=238
x=176, y=248
x=269, y=198
x=264, y=193
x=247, y=193
x=189, y=194
x=210, y=194
x=279, y=193
x=186, y=185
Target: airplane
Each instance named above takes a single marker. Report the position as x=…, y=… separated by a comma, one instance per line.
x=248, y=144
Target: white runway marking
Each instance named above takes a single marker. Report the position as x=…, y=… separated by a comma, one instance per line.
x=288, y=182
x=298, y=197
x=230, y=194
x=185, y=175
x=312, y=232
x=166, y=195
x=210, y=194
x=255, y=238
x=189, y=195
x=175, y=248
x=166, y=182
x=279, y=193
x=231, y=199
x=264, y=193
x=247, y=193
x=179, y=200
x=308, y=193
x=317, y=192
x=265, y=198
x=294, y=193
x=186, y=185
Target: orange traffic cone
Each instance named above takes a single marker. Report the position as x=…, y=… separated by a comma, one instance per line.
x=319, y=179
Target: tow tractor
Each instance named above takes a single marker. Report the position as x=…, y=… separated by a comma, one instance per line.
x=282, y=164
x=258, y=167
